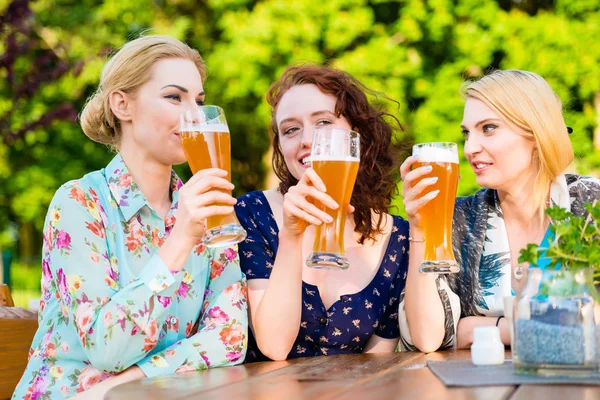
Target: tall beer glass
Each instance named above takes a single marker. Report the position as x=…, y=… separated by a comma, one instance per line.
x=437, y=214
x=335, y=157
x=205, y=137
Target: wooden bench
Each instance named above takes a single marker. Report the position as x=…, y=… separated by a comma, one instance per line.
x=17, y=328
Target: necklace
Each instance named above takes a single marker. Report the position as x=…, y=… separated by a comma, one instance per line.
x=518, y=272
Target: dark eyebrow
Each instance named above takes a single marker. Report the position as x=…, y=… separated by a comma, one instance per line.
x=483, y=121
x=184, y=90
x=312, y=115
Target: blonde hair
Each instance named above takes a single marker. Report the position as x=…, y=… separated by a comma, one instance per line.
x=126, y=71
x=524, y=99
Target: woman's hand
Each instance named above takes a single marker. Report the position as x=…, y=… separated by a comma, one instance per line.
x=413, y=185
x=99, y=390
x=206, y=194
x=299, y=211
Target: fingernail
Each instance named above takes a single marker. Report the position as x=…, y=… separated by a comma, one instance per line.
x=334, y=205
x=329, y=220
x=432, y=180
x=428, y=167
x=435, y=193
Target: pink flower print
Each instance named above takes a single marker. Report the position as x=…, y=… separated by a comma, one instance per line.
x=233, y=355
x=51, y=350
x=64, y=347
x=232, y=335
x=185, y=368
x=125, y=180
x=183, y=290
x=89, y=377
x=96, y=229
x=205, y=359
x=164, y=300
x=95, y=258
x=230, y=254
x=46, y=270
x=49, y=237
x=214, y=318
x=107, y=318
x=62, y=283
x=63, y=240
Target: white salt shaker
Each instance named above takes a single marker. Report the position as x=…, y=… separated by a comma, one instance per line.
x=487, y=348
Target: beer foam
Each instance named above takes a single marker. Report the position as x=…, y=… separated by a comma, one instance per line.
x=435, y=154
x=203, y=127
x=334, y=157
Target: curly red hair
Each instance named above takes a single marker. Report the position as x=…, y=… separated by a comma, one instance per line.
x=376, y=179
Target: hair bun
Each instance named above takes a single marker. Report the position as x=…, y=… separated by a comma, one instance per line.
x=94, y=123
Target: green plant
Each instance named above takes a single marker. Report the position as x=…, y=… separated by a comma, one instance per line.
x=574, y=243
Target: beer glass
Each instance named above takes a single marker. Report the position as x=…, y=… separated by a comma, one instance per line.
x=205, y=137
x=335, y=157
x=437, y=214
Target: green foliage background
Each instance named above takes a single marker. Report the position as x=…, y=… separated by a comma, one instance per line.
x=417, y=52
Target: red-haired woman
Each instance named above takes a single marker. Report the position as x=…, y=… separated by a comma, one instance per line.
x=295, y=310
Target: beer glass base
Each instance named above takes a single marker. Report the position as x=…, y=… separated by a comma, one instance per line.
x=440, y=267
x=327, y=261
x=224, y=235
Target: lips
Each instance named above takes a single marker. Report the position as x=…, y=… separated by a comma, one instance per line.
x=304, y=160
x=479, y=166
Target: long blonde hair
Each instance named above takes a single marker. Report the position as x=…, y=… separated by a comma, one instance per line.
x=524, y=99
x=126, y=71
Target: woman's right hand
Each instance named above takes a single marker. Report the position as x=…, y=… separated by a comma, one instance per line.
x=413, y=184
x=299, y=211
x=205, y=195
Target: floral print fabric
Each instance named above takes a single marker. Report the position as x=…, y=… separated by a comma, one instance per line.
x=351, y=321
x=109, y=302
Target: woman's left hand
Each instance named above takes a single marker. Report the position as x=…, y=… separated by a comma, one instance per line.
x=99, y=391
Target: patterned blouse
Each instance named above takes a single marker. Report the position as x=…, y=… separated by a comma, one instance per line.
x=352, y=320
x=109, y=302
x=481, y=247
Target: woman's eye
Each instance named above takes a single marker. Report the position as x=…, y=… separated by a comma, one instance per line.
x=489, y=127
x=323, y=122
x=465, y=134
x=200, y=102
x=290, y=130
x=175, y=97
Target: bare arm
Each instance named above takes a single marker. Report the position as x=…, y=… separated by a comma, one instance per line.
x=276, y=303
x=467, y=324
x=424, y=309
x=377, y=344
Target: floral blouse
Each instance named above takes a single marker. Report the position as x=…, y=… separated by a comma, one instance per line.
x=109, y=302
x=351, y=321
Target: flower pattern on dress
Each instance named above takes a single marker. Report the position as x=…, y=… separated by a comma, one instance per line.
x=350, y=322
x=109, y=302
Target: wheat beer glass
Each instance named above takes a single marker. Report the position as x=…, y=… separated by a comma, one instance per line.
x=205, y=137
x=335, y=157
x=436, y=215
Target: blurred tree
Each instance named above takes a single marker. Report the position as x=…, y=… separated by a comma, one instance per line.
x=418, y=52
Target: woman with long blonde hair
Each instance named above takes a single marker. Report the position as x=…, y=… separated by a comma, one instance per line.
x=518, y=145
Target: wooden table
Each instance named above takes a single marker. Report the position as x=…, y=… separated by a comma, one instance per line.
x=357, y=376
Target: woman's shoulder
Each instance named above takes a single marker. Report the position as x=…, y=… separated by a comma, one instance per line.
x=82, y=190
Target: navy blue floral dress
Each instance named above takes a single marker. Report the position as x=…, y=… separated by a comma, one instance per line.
x=351, y=321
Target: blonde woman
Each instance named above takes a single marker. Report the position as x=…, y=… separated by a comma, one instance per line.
x=518, y=145
x=125, y=273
